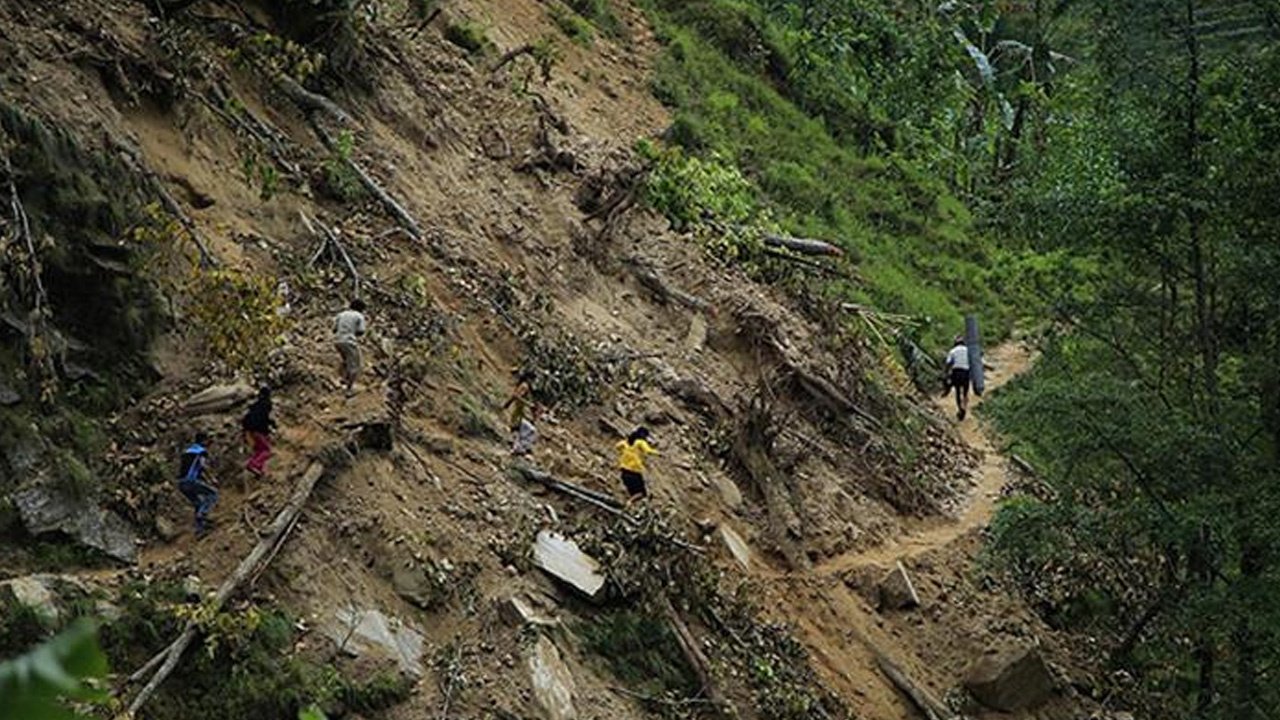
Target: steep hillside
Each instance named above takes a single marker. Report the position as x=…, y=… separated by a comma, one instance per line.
x=206, y=184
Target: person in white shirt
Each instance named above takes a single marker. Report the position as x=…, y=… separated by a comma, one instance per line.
x=958, y=374
x=349, y=326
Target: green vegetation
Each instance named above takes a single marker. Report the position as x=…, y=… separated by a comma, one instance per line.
x=642, y=652
x=470, y=35
x=39, y=684
x=753, y=97
x=1144, y=226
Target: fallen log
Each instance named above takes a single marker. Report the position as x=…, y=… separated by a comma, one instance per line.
x=698, y=661
x=249, y=567
x=804, y=246
x=329, y=242
x=920, y=697
x=133, y=160
x=392, y=206
x=655, y=283
x=310, y=102
x=824, y=392
x=591, y=497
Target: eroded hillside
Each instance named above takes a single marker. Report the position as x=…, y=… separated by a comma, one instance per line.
x=206, y=186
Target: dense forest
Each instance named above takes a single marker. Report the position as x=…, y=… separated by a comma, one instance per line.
x=1099, y=176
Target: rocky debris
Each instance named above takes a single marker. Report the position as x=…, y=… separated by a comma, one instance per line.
x=728, y=489
x=561, y=558
x=218, y=398
x=43, y=593
x=518, y=611
x=553, y=684
x=8, y=396
x=738, y=547
x=32, y=592
x=165, y=529
x=47, y=509
x=192, y=588
x=369, y=633
x=412, y=584
x=1011, y=680
x=696, y=338
x=896, y=592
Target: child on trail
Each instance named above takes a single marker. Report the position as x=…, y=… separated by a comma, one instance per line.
x=524, y=434
x=631, y=454
x=257, y=425
x=349, y=327
x=958, y=374
x=197, y=482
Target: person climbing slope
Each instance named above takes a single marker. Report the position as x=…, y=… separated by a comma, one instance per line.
x=257, y=425
x=197, y=483
x=958, y=374
x=524, y=434
x=631, y=452
x=349, y=326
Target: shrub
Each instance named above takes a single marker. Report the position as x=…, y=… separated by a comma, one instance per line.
x=236, y=315
x=642, y=652
x=572, y=24
x=470, y=35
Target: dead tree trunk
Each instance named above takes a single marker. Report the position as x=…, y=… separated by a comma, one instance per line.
x=698, y=661
x=250, y=566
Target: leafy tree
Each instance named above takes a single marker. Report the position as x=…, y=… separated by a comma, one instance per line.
x=41, y=684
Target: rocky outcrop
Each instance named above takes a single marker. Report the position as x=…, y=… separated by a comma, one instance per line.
x=46, y=508
x=1011, y=680
x=896, y=592
x=561, y=558
x=553, y=685
x=369, y=633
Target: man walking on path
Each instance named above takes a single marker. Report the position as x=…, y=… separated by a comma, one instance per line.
x=197, y=482
x=257, y=425
x=349, y=327
x=958, y=374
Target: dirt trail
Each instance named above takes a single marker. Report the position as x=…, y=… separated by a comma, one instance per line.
x=1005, y=362
x=842, y=630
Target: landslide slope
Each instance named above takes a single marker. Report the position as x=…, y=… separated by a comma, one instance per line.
x=523, y=242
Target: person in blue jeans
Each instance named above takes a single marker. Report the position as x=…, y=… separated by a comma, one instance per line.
x=197, y=483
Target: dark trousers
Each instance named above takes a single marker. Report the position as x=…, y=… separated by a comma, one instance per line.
x=202, y=497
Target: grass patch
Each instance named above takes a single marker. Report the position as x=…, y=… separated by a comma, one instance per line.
x=642, y=653
x=470, y=35
x=576, y=27
x=919, y=251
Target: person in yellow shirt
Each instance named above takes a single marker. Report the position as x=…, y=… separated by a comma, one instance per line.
x=631, y=454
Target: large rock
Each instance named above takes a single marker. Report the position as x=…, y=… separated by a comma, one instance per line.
x=45, y=508
x=363, y=633
x=218, y=398
x=1010, y=681
x=896, y=591
x=44, y=593
x=518, y=611
x=737, y=547
x=729, y=492
x=553, y=685
x=561, y=558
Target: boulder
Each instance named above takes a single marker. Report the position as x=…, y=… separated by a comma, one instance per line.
x=44, y=593
x=561, y=558
x=729, y=492
x=737, y=547
x=553, y=685
x=518, y=611
x=369, y=633
x=896, y=591
x=218, y=398
x=8, y=395
x=411, y=584
x=696, y=338
x=1011, y=680
x=45, y=508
